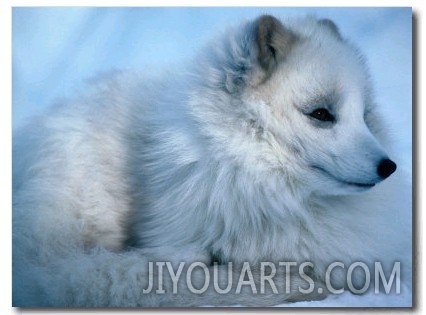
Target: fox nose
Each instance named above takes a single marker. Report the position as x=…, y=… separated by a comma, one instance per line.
x=386, y=168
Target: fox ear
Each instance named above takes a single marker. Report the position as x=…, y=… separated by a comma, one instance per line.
x=331, y=26
x=274, y=42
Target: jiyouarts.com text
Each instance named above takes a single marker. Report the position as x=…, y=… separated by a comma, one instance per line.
x=279, y=278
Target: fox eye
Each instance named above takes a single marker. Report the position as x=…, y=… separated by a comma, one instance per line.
x=322, y=114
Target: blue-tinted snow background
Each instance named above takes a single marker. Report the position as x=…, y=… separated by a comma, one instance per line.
x=56, y=49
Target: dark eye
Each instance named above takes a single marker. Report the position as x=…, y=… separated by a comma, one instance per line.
x=322, y=114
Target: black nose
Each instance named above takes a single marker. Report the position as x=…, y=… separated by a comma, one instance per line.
x=386, y=168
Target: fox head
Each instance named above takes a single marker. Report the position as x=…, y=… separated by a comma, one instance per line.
x=293, y=101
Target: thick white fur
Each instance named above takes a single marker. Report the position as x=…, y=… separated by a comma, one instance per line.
x=213, y=163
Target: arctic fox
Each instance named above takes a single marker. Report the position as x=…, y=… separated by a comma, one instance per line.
x=264, y=167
